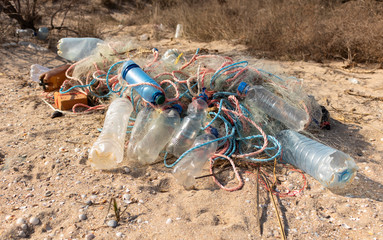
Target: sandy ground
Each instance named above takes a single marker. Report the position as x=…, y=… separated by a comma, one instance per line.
x=44, y=171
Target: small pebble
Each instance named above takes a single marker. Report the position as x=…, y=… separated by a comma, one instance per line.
x=248, y=201
x=141, y=201
x=34, y=221
x=20, y=221
x=82, y=217
x=112, y=223
x=90, y=236
x=139, y=220
x=126, y=170
x=24, y=226
x=169, y=221
x=88, y=202
x=22, y=234
x=119, y=234
x=8, y=217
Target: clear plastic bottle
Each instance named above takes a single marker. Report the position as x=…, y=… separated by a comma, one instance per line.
x=259, y=97
x=329, y=166
x=192, y=164
x=108, y=150
x=75, y=49
x=158, y=135
x=139, y=130
x=190, y=126
x=133, y=74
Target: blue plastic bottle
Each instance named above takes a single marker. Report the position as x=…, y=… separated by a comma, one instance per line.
x=133, y=74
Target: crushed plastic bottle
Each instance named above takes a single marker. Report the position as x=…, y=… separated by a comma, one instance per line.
x=190, y=126
x=139, y=130
x=158, y=135
x=108, y=150
x=192, y=164
x=331, y=167
x=259, y=97
x=75, y=49
x=133, y=74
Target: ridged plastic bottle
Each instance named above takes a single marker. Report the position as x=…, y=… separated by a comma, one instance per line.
x=274, y=106
x=75, y=49
x=192, y=164
x=133, y=74
x=329, y=166
x=108, y=150
x=139, y=130
x=190, y=126
x=158, y=135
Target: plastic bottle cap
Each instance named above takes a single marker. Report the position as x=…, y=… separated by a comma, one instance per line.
x=214, y=131
x=159, y=99
x=242, y=87
x=127, y=66
x=178, y=108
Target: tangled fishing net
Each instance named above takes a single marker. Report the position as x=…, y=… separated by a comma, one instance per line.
x=245, y=133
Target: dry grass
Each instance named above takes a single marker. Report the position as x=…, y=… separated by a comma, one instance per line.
x=283, y=29
x=292, y=29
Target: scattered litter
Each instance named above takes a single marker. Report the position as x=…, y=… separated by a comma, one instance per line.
x=353, y=80
x=144, y=37
x=179, y=31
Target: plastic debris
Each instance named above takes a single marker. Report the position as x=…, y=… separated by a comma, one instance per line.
x=331, y=167
x=179, y=31
x=75, y=49
x=36, y=71
x=108, y=150
x=53, y=79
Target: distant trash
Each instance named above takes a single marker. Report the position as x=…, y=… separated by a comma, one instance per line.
x=42, y=33
x=331, y=167
x=144, y=37
x=353, y=80
x=179, y=31
x=75, y=49
x=25, y=33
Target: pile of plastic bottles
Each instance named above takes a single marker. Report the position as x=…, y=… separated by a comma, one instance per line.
x=204, y=109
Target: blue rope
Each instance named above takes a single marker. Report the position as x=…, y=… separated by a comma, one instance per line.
x=196, y=147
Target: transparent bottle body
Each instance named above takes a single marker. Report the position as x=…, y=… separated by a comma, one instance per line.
x=274, y=106
x=329, y=166
x=158, y=135
x=139, y=130
x=185, y=135
x=75, y=49
x=192, y=164
x=108, y=150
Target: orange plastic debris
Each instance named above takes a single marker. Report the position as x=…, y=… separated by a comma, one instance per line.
x=53, y=79
x=65, y=101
